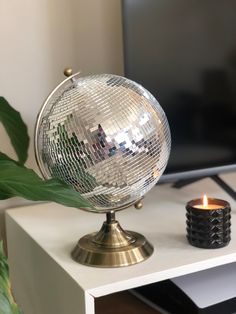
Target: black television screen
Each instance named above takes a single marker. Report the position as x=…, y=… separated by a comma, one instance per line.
x=184, y=53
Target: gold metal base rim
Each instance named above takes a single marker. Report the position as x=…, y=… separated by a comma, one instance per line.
x=89, y=253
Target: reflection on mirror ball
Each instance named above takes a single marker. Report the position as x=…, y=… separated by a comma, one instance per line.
x=106, y=136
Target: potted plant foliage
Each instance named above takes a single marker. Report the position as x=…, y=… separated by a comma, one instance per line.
x=18, y=180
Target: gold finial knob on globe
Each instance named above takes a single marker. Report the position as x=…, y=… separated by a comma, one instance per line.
x=138, y=204
x=68, y=72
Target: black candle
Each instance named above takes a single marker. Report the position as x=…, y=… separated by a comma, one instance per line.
x=208, y=223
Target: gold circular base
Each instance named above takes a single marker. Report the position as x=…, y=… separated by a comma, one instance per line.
x=87, y=252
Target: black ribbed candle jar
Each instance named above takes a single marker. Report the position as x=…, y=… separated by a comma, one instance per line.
x=208, y=228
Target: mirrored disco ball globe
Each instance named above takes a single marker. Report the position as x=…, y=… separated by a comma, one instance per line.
x=105, y=135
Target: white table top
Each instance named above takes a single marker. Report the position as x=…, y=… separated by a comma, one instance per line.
x=162, y=220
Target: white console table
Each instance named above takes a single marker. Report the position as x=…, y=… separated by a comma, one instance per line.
x=40, y=238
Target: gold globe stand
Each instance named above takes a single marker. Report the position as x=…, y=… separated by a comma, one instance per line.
x=112, y=246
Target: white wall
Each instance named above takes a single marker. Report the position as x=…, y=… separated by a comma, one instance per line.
x=38, y=39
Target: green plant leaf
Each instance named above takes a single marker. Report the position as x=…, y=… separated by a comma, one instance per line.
x=4, y=196
x=5, y=307
x=7, y=302
x=15, y=128
x=5, y=157
x=17, y=180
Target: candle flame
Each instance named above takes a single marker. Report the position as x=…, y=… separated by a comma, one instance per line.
x=205, y=201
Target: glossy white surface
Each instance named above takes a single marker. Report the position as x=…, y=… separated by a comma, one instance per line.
x=52, y=231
